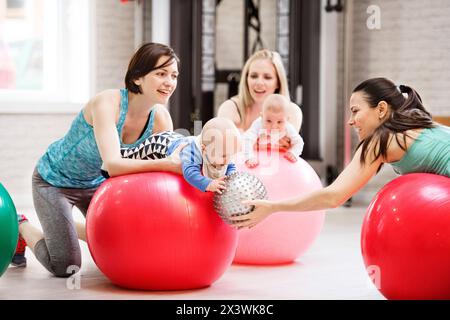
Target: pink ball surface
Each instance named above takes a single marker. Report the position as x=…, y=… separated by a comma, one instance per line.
x=283, y=236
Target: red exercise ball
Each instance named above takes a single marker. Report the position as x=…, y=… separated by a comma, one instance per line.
x=154, y=231
x=405, y=238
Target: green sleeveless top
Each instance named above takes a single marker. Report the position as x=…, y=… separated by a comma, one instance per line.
x=429, y=153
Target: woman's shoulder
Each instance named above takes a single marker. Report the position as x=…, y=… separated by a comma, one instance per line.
x=228, y=109
x=106, y=96
x=163, y=120
x=295, y=109
x=409, y=136
x=399, y=142
x=104, y=101
x=230, y=104
x=295, y=116
x=160, y=108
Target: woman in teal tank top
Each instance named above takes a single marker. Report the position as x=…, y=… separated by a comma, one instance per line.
x=393, y=127
x=69, y=172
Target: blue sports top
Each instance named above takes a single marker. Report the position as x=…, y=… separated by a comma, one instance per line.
x=74, y=160
x=429, y=153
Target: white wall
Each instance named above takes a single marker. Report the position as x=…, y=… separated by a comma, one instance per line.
x=115, y=42
x=412, y=47
x=24, y=138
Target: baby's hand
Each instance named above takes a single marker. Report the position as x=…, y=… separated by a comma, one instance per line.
x=284, y=143
x=252, y=163
x=216, y=185
x=290, y=156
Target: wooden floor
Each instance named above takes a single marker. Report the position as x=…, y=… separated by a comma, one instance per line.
x=331, y=269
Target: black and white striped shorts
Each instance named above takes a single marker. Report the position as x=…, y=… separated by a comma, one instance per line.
x=154, y=147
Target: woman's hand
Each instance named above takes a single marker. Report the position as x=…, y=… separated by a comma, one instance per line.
x=263, y=208
x=174, y=161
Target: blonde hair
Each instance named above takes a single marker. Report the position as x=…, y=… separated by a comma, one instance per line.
x=276, y=103
x=244, y=98
x=217, y=130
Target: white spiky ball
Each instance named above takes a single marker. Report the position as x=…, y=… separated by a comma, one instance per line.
x=239, y=186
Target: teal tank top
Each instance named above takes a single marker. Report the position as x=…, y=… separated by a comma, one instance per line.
x=429, y=153
x=74, y=160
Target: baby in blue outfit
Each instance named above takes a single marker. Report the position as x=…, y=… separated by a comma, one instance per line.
x=206, y=159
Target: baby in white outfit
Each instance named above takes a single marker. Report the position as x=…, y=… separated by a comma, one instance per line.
x=270, y=128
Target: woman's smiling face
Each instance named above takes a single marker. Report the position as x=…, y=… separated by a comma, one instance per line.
x=363, y=118
x=160, y=83
x=262, y=79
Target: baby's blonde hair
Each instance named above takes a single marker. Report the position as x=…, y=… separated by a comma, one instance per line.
x=220, y=130
x=276, y=103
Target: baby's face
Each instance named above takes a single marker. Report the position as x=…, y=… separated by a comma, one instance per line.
x=274, y=121
x=221, y=154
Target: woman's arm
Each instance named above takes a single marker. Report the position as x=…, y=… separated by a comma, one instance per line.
x=349, y=182
x=296, y=117
x=104, y=123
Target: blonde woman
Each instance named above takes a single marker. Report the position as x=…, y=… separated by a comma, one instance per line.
x=263, y=74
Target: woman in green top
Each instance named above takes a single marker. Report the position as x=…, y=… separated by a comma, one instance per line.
x=393, y=127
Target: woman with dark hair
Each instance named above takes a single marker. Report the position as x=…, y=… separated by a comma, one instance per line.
x=393, y=127
x=69, y=172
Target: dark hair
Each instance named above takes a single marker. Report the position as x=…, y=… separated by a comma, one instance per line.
x=144, y=61
x=406, y=113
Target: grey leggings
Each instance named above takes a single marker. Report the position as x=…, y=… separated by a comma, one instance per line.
x=59, y=252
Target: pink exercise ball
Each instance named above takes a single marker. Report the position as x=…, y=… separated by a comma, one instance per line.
x=154, y=231
x=284, y=236
x=405, y=238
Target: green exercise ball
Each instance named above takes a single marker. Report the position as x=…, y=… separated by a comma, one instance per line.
x=9, y=229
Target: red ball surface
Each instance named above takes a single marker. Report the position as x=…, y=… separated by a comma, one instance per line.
x=154, y=231
x=405, y=238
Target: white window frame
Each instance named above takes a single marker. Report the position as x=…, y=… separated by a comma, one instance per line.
x=66, y=40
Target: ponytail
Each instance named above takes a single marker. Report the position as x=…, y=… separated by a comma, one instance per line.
x=406, y=113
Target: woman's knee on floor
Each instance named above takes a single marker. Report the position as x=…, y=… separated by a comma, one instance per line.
x=63, y=263
x=66, y=267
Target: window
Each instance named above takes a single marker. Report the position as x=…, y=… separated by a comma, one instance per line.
x=44, y=54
